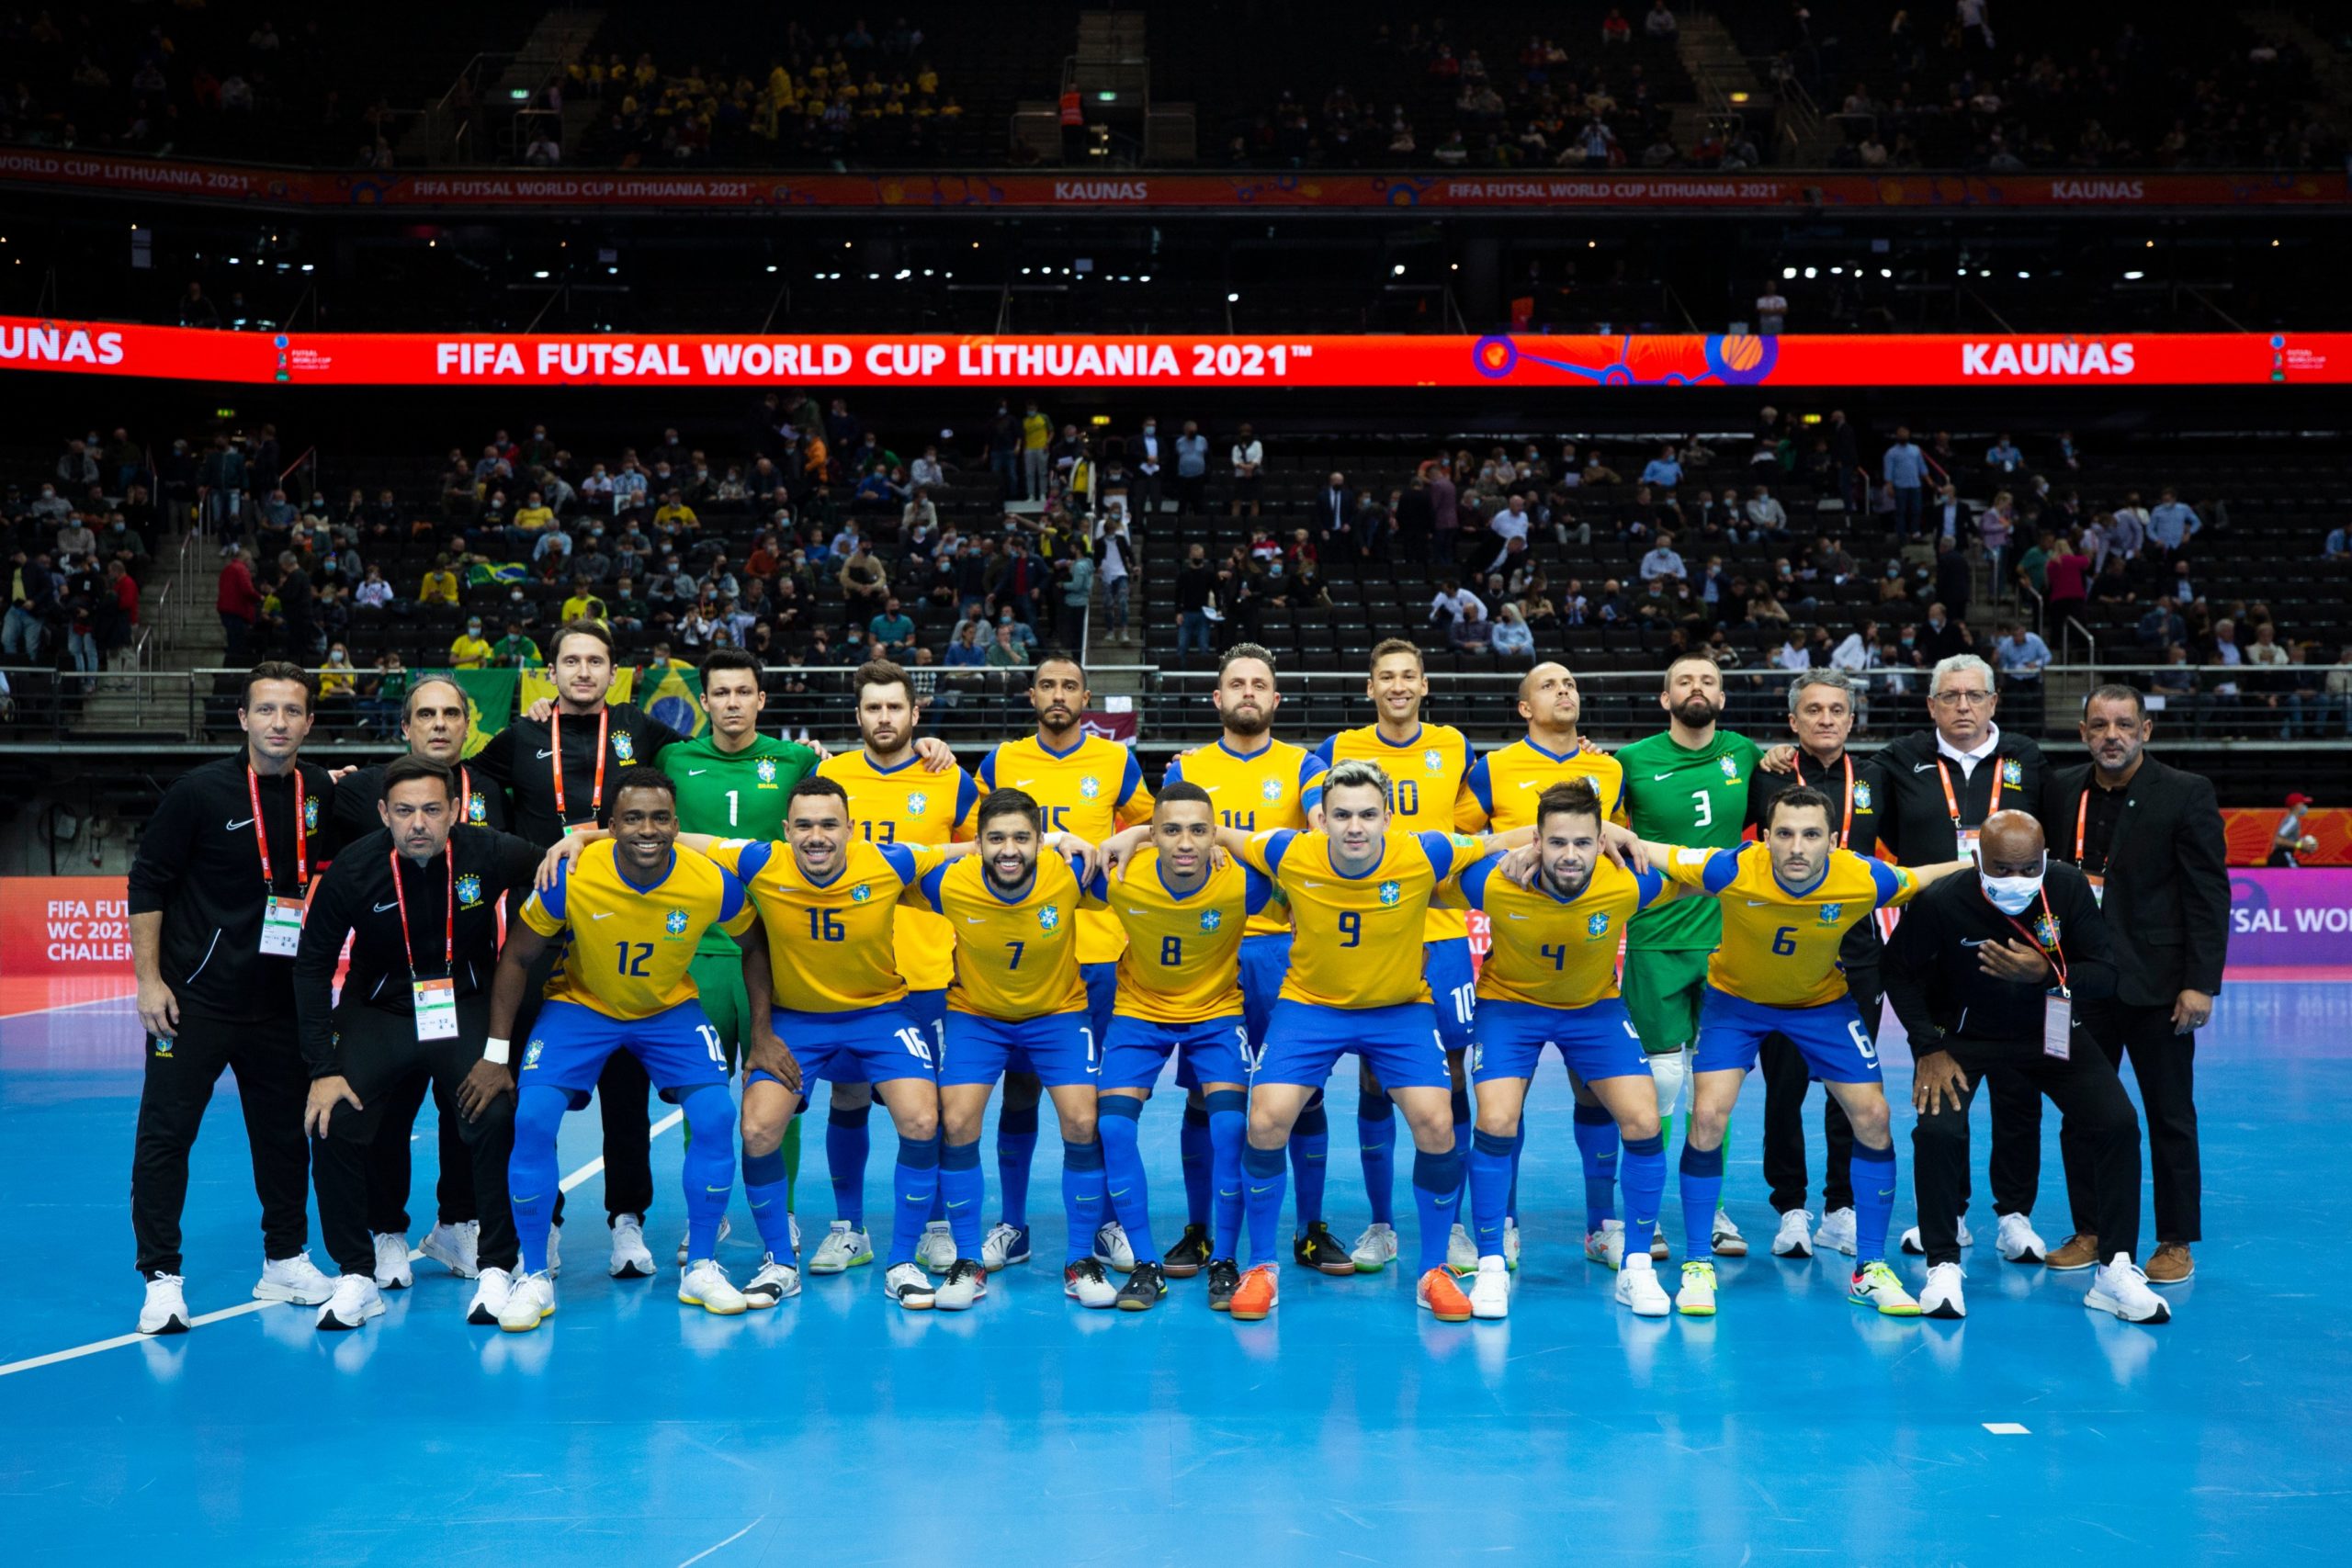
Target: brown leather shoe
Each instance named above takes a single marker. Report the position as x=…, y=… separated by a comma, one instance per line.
x=2171, y=1264
x=2074, y=1252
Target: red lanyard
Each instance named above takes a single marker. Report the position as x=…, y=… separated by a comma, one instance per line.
x=1952, y=803
x=555, y=743
x=1846, y=832
x=2082, y=820
x=301, y=858
x=449, y=931
x=2057, y=957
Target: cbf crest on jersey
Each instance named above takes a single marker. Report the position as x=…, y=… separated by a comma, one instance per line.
x=1596, y=926
x=860, y=894
x=1432, y=759
x=1271, y=789
x=1730, y=766
x=1210, y=919
x=674, y=922
x=2046, y=930
x=623, y=747
x=311, y=814
x=1390, y=892
x=2012, y=772
x=470, y=891
x=1090, y=787
x=1049, y=916
x=1861, y=795
x=918, y=803
x=766, y=772
x=1829, y=913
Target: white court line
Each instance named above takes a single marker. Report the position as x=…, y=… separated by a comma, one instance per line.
x=68, y=1007
x=591, y=1169
x=731, y=1540
x=2006, y=1429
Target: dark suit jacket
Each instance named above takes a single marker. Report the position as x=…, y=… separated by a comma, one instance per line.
x=2168, y=900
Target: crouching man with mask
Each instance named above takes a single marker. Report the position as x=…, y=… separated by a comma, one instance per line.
x=1992, y=971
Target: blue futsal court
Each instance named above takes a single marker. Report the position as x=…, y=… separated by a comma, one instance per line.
x=1349, y=1428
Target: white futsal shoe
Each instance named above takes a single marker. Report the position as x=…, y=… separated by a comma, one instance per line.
x=632, y=1259
x=2120, y=1287
x=1374, y=1250
x=165, y=1308
x=1794, y=1239
x=2017, y=1241
x=1490, y=1289
x=295, y=1280
x=937, y=1251
x=1836, y=1233
x=392, y=1271
x=1942, y=1296
x=456, y=1248
x=1637, y=1288
x=529, y=1304
x=706, y=1285
x=491, y=1288
x=356, y=1300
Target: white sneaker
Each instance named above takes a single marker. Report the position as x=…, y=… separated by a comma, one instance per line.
x=1606, y=1246
x=967, y=1282
x=529, y=1304
x=555, y=1251
x=1374, y=1250
x=1490, y=1289
x=1005, y=1244
x=492, y=1288
x=908, y=1285
x=772, y=1284
x=166, y=1309
x=295, y=1280
x=1794, y=1239
x=1697, y=1296
x=844, y=1249
x=1461, y=1252
x=1725, y=1237
x=456, y=1248
x=937, y=1251
x=2120, y=1287
x=708, y=1287
x=1941, y=1297
x=393, y=1272
x=2016, y=1241
x=1659, y=1251
x=794, y=1220
x=1911, y=1244
x=1112, y=1248
x=1510, y=1244
x=356, y=1300
x=1637, y=1288
x=1836, y=1232
x=1085, y=1283
x=631, y=1259
x=725, y=1230
x=1876, y=1285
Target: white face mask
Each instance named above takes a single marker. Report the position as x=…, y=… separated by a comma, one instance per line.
x=2013, y=894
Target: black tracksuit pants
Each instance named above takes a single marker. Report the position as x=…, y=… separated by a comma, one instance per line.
x=390, y=1172
x=2165, y=1066
x=2097, y=1116
x=272, y=1085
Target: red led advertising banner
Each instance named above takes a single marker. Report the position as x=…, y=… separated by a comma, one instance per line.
x=426, y=360
x=606, y=189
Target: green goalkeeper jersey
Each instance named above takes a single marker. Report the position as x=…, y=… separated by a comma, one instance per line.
x=737, y=795
x=1675, y=794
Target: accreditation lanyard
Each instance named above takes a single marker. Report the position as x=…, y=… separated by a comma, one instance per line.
x=2057, y=1007
x=2098, y=879
x=466, y=794
x=555, y=745
x=436, y=1000
x=1967, y=836
x=1846, y=830
x=281, y=919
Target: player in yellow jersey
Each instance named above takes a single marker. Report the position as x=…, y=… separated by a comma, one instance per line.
x=1018, y=994
x=1500, y=791
x=893, y=801
x=1257, y=783
x=1550, y=978
x=1425, y=765
x=1787, y=903
x=1179, y=990
x=1091, y=787
x=629, y=915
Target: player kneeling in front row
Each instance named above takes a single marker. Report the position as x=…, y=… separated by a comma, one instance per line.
x=634, y=908
x=1786, y=904
x=1551, y=978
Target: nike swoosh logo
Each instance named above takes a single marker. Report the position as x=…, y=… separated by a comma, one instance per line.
x=544, y=755
x=1135, y=911
x=1023, y=783
x=952, y=1204
x=1528, y=783
x=1304, y=884
x=697, y=773
x=1921, y=767
x=1974, y=941
x=722, y=1192
x=1519, y=916
x=393, y=905
x=975, y=920
x=1760, y=903
x=601, y=915
x=246, y=823
x=1654, y=777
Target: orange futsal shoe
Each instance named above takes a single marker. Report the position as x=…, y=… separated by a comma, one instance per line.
x=1260, y=1290
x=1438, y=1292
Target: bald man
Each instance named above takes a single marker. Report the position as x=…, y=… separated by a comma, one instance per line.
x=1988, y=972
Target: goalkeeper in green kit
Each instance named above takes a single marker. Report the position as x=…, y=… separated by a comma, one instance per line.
x=1685, y=787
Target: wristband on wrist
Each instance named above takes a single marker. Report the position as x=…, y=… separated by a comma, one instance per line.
x=495, y=1052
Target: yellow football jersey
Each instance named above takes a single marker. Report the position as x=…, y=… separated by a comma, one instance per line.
x=1425, y=777
x=1013, y=960
x=1269, y=788
x=829, y=946
x=1780, y=948
x=1502, y=786
x=1184, y=958
x=1359, y=938
x=630, y=948
x=1556, y=951
x=906, y=805
x=1093, y=789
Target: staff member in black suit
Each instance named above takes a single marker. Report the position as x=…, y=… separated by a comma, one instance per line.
x=418, y=899
x=1991, y=971
x=216, y=912
x=435, y=722
x=2151, y=837
x=1821, y=713
x=561, y=769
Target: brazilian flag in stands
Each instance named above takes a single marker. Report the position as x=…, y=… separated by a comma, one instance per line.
x=673, y=695
x=497, y=571
x=493, y=697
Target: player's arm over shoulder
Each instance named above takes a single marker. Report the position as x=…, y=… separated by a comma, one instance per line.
x=1709, y=870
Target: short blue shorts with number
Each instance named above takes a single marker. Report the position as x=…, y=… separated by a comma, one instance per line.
x=1595, y=1042
x=1453, y=983
x=1101, y=993
x=1212, y=1051
x=1835, y=1045
x=571, y=1044
x=1400, y=1044
x=872, y=1045
x=1265, y=959
x=929, y=1009
x=1059, y=1048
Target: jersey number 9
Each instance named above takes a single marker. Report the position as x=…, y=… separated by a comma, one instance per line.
x=1352, y=928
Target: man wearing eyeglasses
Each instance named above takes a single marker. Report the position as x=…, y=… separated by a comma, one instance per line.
x=1941, y=784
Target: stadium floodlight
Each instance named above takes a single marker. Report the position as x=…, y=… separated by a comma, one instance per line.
x=2024, y=274
x=2133, y=277
x=1811, y=273
x=1233, y=299
x=1396, y=271
x=771, y=267
x=1788, y=275
x=1886, y=271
